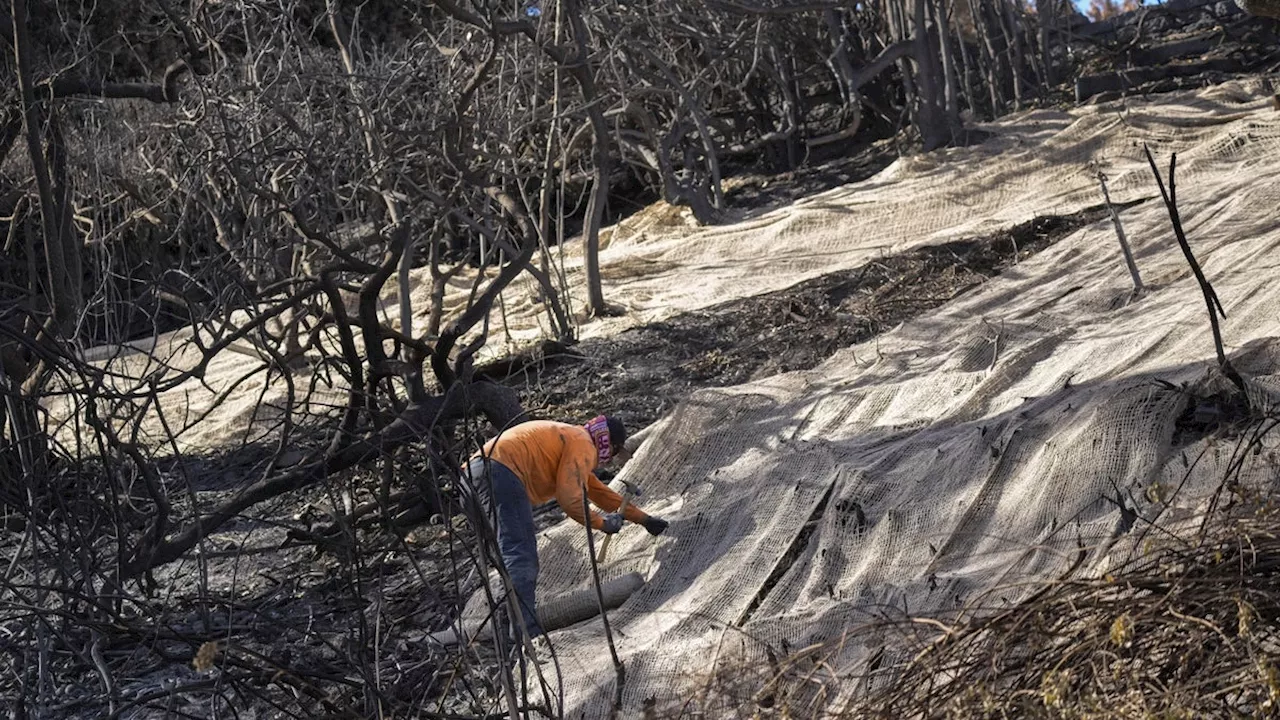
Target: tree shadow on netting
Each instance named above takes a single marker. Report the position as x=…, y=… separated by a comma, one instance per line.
x=1068, y=516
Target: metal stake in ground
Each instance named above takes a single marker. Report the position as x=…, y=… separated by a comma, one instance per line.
x=1124, y=242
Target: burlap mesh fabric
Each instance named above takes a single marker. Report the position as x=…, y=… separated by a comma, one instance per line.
x=966, y=452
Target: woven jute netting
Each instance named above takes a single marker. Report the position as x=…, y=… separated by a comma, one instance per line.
x=983, y=446
x=963, y=454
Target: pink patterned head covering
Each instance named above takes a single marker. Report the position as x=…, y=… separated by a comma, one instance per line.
x=599, y=430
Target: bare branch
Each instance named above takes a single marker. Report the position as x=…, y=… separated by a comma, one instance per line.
x=166, y=92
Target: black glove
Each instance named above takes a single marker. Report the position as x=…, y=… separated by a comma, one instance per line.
x=612, y=523
x=655, y=525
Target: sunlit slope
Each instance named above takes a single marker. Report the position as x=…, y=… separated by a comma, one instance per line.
x=950, y=461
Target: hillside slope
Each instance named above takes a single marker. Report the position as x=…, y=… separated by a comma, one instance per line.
x=657, y=264
x=992, y=442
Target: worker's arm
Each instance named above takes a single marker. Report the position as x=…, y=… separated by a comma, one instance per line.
x=606, y=499
x=576, y=464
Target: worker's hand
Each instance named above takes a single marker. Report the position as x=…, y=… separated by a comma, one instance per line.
x=612, y=523
x=655, y=525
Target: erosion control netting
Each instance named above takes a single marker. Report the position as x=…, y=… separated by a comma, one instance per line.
x=948, y=462
x=656, y=265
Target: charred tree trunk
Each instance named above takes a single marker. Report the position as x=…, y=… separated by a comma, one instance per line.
x=989, y=55
x=60, y=248
x=1046, y=15
x=931, y=119
x=844, y=73
x=1013, y=39
x=580, y=68
x=951, y=94
x=902, y=32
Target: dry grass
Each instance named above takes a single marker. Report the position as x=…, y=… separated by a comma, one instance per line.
x=1189, y=631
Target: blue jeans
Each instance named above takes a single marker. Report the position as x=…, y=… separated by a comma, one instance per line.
x=506, y=507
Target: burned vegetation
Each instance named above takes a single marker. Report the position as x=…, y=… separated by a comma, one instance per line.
x=237, y=374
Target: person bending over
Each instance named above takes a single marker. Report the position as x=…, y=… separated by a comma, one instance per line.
x=534, y=462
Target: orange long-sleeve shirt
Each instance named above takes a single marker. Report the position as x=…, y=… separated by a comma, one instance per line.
x=557, y=460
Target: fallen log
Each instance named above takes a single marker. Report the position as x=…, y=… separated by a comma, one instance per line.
x=1191, y=47
x=1125, y=80
x=558, y=612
